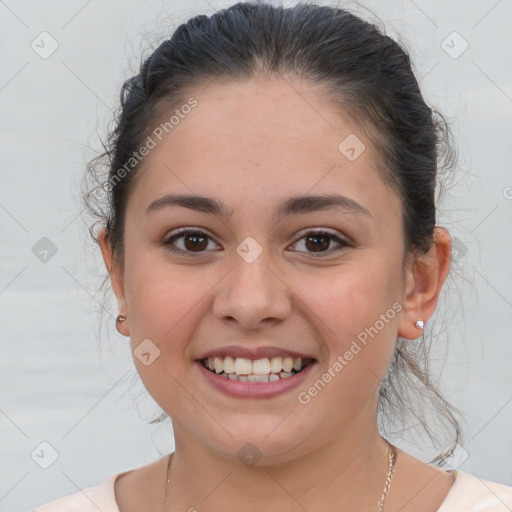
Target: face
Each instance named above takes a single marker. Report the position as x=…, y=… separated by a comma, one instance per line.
x=258, y=281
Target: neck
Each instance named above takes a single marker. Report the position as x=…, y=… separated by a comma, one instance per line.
x=346, y=472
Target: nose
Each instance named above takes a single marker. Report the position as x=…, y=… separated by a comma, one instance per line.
x=252, y=293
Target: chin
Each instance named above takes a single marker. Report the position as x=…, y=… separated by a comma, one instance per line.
x=267, y=445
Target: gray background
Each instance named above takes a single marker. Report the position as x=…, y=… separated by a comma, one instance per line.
x=58, y=385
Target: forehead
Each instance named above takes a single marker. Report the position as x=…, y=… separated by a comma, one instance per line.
x=261, y=139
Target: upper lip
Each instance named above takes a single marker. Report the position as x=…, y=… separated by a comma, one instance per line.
x=253, y=352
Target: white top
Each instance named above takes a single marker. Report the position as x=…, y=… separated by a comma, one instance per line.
x=467, y=494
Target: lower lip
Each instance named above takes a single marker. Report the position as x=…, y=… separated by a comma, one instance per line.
x=254, y=389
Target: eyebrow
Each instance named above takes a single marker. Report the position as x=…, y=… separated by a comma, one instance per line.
x=290, y=206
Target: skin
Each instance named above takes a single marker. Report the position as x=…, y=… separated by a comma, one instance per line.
x=251, y=144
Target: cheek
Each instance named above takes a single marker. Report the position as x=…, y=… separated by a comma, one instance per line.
x=352, y=297
x=357, y=310
x=164, y=301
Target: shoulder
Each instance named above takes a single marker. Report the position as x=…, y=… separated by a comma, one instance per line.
x=120, y=491
x=472, y=494
x=100, y=497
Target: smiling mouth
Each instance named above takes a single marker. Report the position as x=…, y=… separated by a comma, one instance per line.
x=255, y=371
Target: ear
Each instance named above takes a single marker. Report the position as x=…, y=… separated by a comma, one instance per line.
x=115, y=272
x=424, y=279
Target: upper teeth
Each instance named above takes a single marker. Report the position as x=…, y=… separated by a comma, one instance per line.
x=243, y=366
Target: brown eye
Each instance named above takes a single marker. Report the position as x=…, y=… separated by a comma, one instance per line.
x=193, y=241
x=319, y=242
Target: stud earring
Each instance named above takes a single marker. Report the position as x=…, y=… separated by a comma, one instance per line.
x=420, y=324
x=119, y=320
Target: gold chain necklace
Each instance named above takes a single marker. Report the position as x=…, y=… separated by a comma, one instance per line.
x=392, y=459
x=391, y=466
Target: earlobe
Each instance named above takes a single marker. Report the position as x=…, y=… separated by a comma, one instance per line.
x=119, y=322
x=424, y=280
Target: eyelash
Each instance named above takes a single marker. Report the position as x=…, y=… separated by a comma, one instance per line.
x=180, y=233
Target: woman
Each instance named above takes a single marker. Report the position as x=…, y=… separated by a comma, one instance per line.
x=271, y=239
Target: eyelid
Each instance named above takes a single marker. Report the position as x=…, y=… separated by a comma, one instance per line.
x=188, y=229
x=321, y=230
